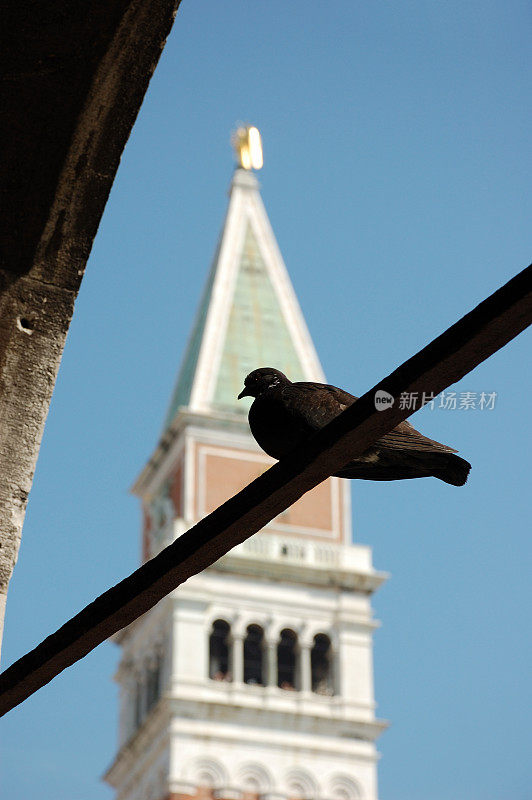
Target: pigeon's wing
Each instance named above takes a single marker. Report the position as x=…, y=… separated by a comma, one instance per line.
x=406, y=437
x=320, y=403
x=316, y=403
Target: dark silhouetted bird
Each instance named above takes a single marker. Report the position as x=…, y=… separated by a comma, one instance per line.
x=284, y=414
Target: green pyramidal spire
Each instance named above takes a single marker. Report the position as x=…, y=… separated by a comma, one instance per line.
x=248, y=316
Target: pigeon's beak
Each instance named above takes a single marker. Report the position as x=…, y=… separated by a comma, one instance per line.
x=244, y=393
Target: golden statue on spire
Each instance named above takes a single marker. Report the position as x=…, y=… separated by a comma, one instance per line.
x=248, y=147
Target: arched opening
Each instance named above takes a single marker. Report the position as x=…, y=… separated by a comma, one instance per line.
x=219, y=651
x=253, y=652
x=321, y=665
x=286, y=660
x=153, y=681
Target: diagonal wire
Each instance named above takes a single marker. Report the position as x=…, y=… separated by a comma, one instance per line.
x=449, y=357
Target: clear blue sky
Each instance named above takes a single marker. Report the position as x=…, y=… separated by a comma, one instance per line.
x=397, y=178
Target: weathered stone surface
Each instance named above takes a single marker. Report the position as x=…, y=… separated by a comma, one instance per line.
x=75, y=76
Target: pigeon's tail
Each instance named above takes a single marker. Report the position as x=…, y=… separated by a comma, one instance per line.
x=454, y=470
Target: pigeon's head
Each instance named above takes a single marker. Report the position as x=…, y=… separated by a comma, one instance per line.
x=261, y=379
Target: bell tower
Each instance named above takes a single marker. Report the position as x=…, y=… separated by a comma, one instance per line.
x=255, y=678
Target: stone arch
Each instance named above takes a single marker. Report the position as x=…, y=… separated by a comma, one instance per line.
x=343, y=787
x=253, y=619
x=207, y=772
x=315, y=628
x=275, y=628
x=301, y=785
x=254, y=778
x=218, y=611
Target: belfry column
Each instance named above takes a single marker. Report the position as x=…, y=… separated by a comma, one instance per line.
x=271, y=662
x=237, y=640
x=304, y=660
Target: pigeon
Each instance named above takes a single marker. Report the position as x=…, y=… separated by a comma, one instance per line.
x=283, y=415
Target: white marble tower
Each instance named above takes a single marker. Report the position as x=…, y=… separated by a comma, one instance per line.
x=254, y=679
